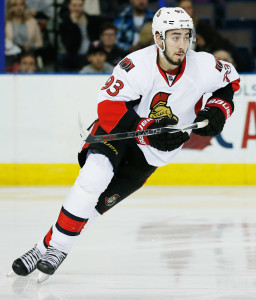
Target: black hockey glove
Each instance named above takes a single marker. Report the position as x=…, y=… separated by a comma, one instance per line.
x=164, y=141
x=216, y=110
x=216, y=121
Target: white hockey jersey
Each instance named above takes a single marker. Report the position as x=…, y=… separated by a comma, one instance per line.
x=138, y=76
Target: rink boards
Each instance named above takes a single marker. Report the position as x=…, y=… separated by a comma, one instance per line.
x=40, y=138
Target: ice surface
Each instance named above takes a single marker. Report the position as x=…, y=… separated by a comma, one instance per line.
x=160, y=243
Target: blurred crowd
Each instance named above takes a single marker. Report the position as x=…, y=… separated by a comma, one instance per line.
x=92, y=36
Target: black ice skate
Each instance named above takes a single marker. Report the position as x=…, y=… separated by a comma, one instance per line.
x=26, y=264
x=50, y=262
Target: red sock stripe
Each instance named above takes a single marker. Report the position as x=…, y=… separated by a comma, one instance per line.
x=48, y=237
x=69, y=222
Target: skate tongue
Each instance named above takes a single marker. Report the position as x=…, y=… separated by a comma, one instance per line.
x=42, y=277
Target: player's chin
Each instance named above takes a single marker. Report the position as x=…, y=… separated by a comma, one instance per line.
x=178, y=61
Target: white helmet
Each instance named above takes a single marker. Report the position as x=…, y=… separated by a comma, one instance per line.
x=168, y=18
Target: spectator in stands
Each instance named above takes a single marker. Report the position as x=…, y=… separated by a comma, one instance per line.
x=97, y=57
x=40, y=9
x=97, y=12
x=146, y=37
x=108, y=36
x=209, y=39
x=129, y=23
x=20, y=28
x=187, y=5
x=12, y=53
x=27, y=63
x=106, y=9
x=74, y=36
x=224, y=55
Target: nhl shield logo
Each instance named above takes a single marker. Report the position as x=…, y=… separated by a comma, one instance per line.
x=111, y=200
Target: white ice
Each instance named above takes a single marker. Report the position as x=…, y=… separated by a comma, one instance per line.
x=160, y=243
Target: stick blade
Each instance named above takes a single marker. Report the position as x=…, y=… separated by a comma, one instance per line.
x=203, y=123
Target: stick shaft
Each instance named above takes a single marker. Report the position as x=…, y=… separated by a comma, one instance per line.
x=133, y=134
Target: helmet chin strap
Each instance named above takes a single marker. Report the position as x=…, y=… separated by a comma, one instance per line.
x=161, y=51
x=164, y=57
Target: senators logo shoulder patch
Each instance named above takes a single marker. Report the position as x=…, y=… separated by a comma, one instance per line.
x=126, y=64
x=219, y=65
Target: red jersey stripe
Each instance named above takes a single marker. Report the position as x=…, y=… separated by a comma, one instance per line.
x=236, y=85
x=181, y=71
x=110, y=113
x=94, y=129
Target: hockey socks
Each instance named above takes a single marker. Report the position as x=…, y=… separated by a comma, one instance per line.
x=79, y=206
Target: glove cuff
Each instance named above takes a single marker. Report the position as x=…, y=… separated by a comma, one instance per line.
x=222, y=104
x=143, y=125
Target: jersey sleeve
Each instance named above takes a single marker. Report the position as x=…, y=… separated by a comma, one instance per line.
x=222, y=81
x=118, y=97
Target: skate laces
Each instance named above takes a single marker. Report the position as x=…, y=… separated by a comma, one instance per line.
x=54, y=256
x=31, y=258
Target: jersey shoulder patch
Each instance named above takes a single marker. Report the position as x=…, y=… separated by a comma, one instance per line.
x=219, y=65
x=126, y=64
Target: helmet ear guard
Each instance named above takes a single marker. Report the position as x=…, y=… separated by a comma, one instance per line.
x=162, y=39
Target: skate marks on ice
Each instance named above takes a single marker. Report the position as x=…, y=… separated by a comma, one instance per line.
x=161, y=243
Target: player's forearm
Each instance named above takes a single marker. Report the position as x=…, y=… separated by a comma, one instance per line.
x=223, y=99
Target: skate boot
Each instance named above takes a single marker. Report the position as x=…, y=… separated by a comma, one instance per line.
x=26, y=264
x=50, y=262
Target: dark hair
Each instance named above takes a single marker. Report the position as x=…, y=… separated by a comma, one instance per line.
x=106, y=26
x=180, y=1
x=95, y=47
x=26, y=54
x=69, y=1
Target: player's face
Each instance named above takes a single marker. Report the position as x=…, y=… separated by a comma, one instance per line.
x=176, y=45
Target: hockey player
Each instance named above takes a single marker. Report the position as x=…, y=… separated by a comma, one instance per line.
x=157, y=86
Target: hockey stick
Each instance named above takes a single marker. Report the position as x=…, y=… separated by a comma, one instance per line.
x=90, y=139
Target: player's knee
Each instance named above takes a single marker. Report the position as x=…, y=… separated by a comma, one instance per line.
x=96, y=174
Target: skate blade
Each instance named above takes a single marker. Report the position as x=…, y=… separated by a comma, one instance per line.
x=42, y=277
x=11, y=273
